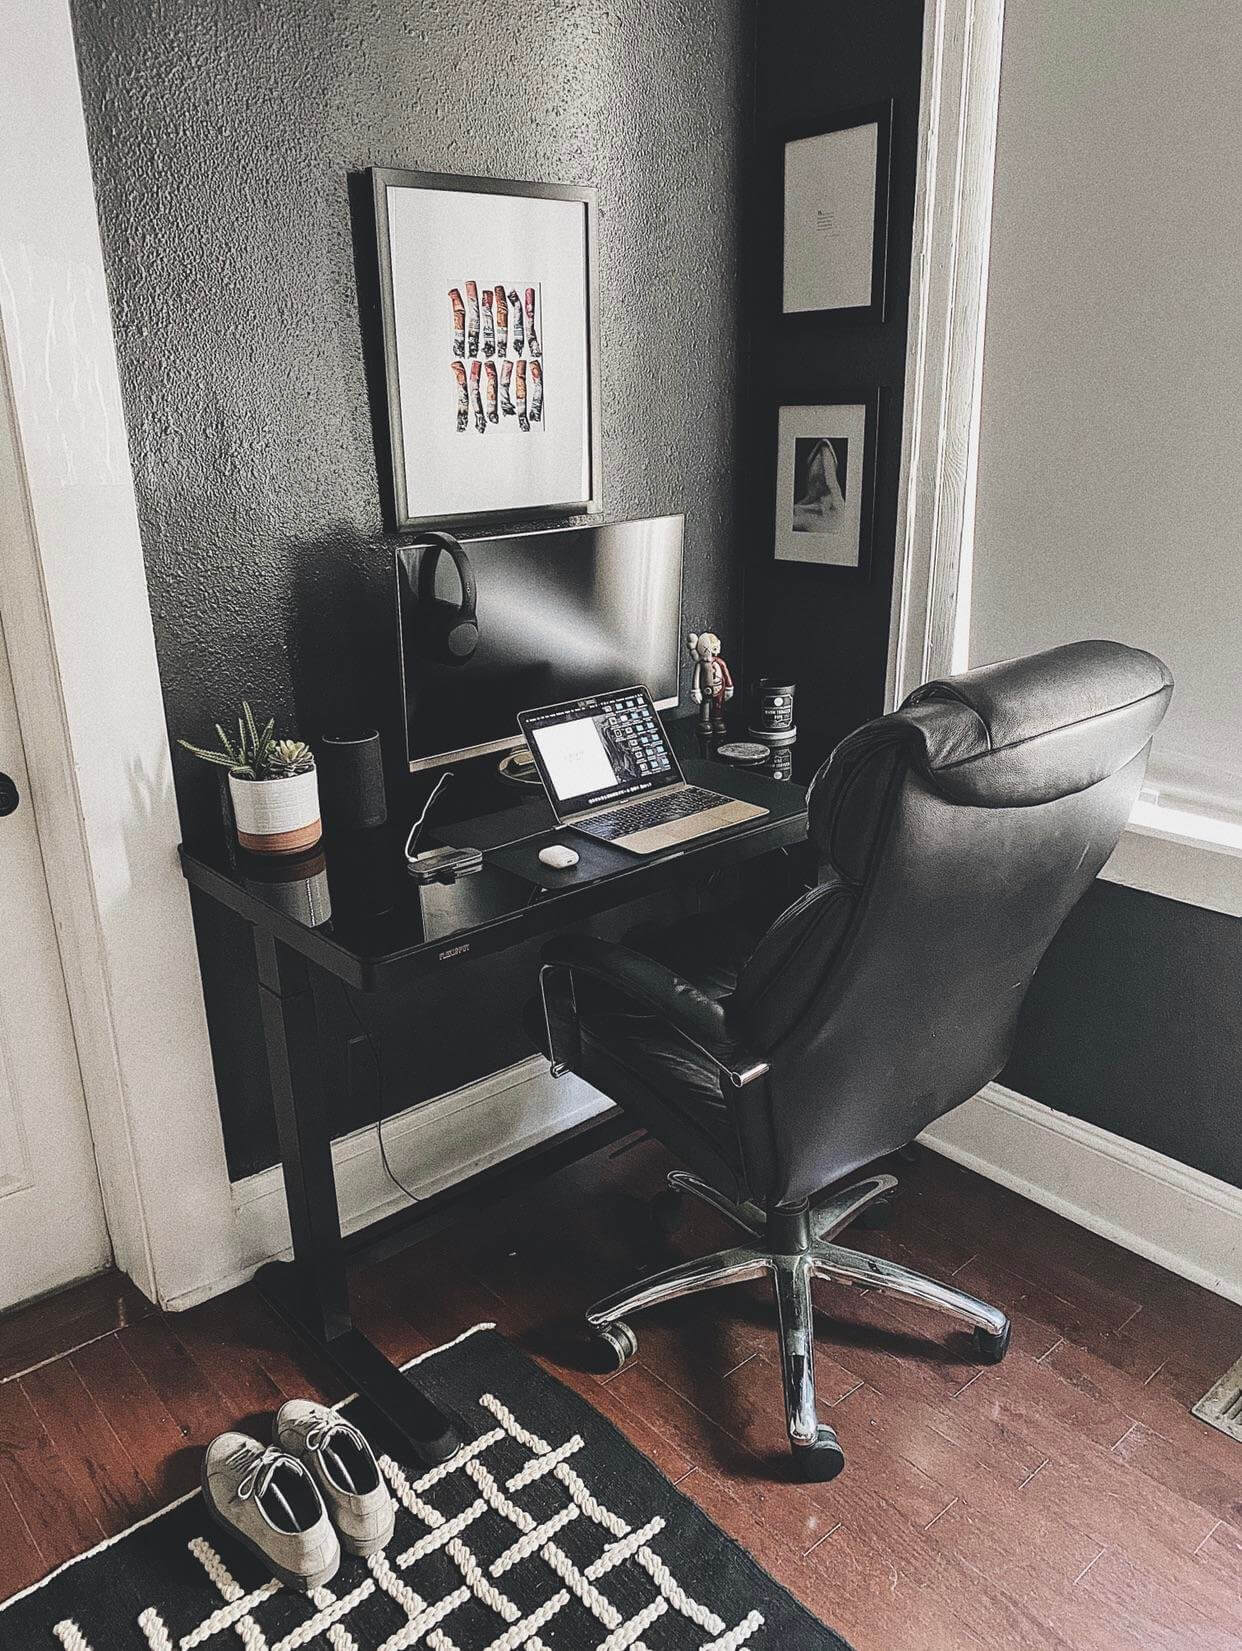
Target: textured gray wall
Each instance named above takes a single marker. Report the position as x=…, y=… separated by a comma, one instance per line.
x=222, y=137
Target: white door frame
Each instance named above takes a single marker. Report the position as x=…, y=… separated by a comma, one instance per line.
x=959, y=103
x=73, y=591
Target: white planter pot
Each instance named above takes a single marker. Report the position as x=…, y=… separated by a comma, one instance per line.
x=276, y=816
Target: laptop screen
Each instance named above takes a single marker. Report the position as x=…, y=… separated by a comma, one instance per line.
x=605, y=749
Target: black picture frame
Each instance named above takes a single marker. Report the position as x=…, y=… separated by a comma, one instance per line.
x=382, y=179
x=883, y=116
x=869, y=400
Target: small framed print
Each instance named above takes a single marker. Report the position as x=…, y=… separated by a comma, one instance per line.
x=490, y=310
x=825, y=484
x=836, y=195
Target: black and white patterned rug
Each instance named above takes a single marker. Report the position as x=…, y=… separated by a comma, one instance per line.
x=548, y=1531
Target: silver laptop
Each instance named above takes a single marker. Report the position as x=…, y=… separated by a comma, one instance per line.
x=610, y=772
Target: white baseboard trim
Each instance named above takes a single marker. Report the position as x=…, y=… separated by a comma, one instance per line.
x=430, y=1147
x=1176, y=1216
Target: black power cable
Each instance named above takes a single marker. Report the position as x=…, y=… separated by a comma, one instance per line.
x=377, y=1061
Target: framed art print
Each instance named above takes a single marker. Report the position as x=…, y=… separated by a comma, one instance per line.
x=836, y=193
x=825, y=484
x=490, y=318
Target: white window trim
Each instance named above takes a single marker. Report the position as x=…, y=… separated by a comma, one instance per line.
x=958, y=102
x=1180, y=853
x=1188, y=845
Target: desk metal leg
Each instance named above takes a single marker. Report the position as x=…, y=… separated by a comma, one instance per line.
x=311, y=1292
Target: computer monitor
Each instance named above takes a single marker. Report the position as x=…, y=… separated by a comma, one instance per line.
x=555, y=616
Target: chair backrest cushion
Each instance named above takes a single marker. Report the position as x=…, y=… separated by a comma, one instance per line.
x=954, y=837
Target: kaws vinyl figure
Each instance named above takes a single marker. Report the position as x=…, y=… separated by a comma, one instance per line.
x=711, y=686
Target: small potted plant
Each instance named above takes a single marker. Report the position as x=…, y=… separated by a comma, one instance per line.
x=272, y=783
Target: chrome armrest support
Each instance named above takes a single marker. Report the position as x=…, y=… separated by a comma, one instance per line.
x=698, y=1019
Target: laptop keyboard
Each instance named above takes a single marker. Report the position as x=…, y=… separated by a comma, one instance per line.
x=658, y=811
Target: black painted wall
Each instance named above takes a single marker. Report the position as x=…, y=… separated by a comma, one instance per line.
x=1132, y=1023
x=822, y=627
x=223, y=139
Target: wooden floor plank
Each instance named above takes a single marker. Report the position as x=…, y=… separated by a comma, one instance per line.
x=1210, y=1486
x=868, y=1595
x=988, y=1500
x=1149, y=1605
x=1088, y=1318
x=667, y=1453
x=153, y=1440
x=1220, y=1556
x=21, y=1562
x=41, y=1483
x=194, y=1403
x=51, y=1328
x=219, y=1348
x=1092, y=1490
x=1062, y=1501
x=297, y=1373
x=107, y=1481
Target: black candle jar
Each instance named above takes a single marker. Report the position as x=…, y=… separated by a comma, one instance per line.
x=774, y=706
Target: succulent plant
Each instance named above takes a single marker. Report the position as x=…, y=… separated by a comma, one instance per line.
x=290, y=757
x=255, y=753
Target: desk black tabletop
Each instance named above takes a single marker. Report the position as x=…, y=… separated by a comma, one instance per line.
x=350, y=906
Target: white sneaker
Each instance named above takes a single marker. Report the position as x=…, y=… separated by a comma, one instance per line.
x=345, y=1469
x=269, y=1501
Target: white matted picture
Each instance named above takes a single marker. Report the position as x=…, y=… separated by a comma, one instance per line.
x=836, y=189
x=488, y=297
x=825, y=457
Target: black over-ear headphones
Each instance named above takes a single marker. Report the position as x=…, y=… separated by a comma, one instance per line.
x=447, y=631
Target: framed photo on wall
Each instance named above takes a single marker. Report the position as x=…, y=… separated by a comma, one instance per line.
x=825, y=484
x=836, y=200
x=489, y=306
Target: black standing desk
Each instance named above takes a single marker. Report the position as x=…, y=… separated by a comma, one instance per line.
x=354, y=912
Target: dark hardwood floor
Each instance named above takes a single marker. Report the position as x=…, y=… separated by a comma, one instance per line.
x=1065, y=1499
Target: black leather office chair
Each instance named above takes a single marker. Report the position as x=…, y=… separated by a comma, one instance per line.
x=954, y=837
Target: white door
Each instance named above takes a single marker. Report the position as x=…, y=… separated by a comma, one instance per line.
x=52, y=1227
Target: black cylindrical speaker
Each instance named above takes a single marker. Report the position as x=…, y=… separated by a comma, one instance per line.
x=351, y=780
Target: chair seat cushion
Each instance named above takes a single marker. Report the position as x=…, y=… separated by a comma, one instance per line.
x=710, y=950
x=663, y=1061
x=690, y=1117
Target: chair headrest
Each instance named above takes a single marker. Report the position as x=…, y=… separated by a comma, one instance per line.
x=1027, y=731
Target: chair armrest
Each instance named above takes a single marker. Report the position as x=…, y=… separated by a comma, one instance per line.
x=699, y=1019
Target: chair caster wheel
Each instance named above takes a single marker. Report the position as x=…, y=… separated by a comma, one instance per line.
x=821, y=1461
x=667, y=1211
x=613, y=1346
x=876, y=1216
x=992, y=1349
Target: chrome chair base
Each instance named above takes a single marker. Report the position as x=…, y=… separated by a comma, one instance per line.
x=794, y=1247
